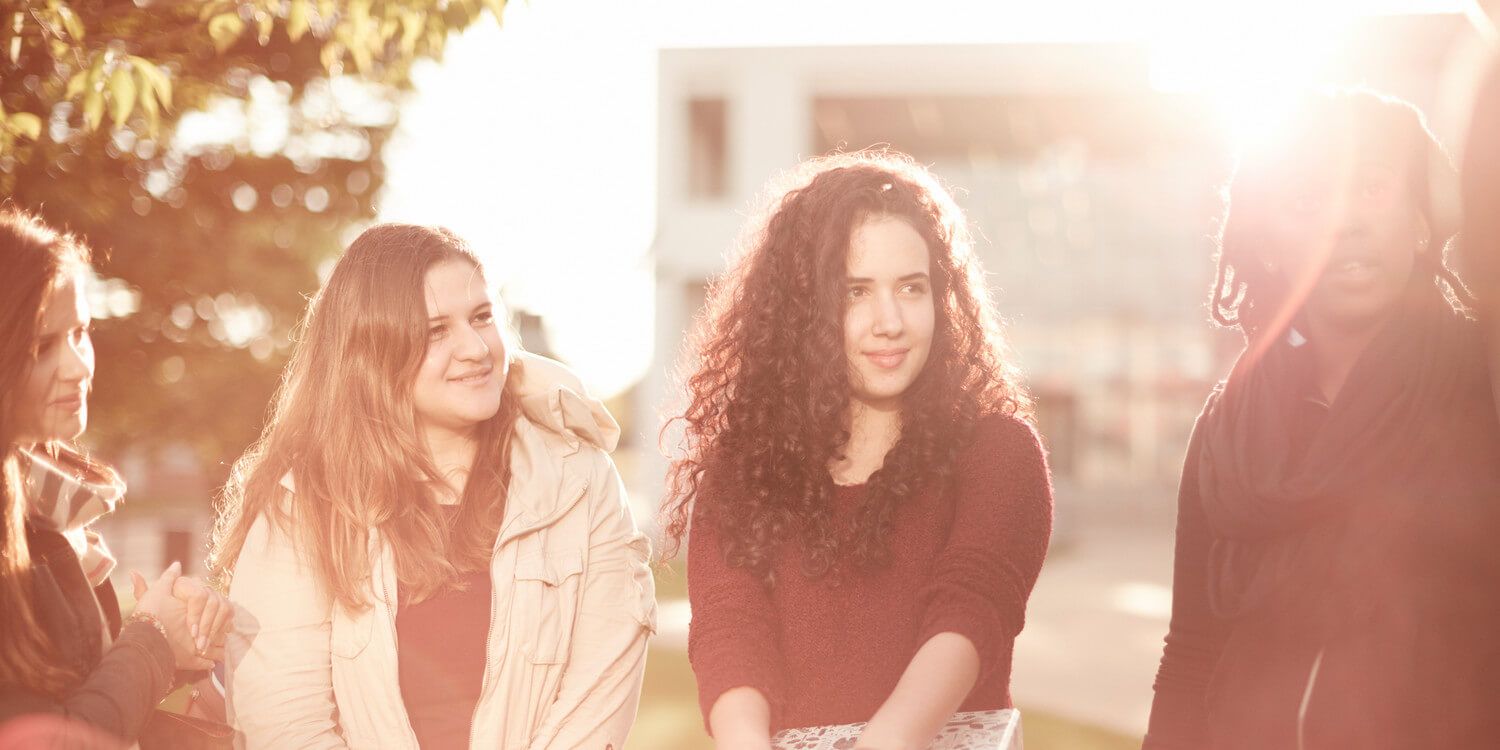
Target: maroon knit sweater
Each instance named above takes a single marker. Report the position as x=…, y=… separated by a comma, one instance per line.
x=963, y=562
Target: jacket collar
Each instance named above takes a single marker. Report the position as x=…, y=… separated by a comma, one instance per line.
x=554, y=399
x=558, y=418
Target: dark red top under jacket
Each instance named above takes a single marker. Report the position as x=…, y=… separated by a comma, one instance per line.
x=963, y=562
x=441, y=651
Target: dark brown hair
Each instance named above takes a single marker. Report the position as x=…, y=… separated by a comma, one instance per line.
x=36, y=258
x=1247, y=296
x=768, y=389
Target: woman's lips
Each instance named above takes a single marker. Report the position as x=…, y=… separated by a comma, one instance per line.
x=72, y=402
x=1353, y=269
x=887, y=359
x=474, y=378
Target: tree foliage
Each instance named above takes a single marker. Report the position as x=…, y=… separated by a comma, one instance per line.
x=216, y=153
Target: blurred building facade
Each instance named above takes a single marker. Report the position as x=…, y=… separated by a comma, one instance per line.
x=1093, y=198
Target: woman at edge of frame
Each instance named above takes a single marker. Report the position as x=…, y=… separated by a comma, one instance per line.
x=73, y=674
x=1336, y=580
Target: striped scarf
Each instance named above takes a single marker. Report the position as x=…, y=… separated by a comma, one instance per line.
x=66, y=493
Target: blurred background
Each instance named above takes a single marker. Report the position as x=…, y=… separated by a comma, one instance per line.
x=602, y=156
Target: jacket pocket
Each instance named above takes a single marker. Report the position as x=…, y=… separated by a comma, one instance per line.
x=548, y=586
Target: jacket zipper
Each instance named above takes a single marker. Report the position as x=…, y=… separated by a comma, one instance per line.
x=484, y=683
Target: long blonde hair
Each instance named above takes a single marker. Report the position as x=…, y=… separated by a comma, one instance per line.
x=344, y=425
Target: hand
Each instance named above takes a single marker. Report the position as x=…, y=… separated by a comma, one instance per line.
x=156, y=599
x=210, y=616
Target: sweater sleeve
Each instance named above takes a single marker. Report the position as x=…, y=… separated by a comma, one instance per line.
x=1001, y=526
x=732, y=638
x=1196, y=636
x=116, y=698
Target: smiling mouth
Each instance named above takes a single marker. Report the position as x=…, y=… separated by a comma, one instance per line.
x=473, y=378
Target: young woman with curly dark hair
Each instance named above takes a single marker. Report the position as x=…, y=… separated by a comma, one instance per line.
x=869, y=502
x=1337, y=580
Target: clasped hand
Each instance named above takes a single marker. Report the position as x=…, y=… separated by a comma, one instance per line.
x=197, y=618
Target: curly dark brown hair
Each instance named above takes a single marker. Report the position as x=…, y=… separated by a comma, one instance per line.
x=1247, y=296
x=767, y=380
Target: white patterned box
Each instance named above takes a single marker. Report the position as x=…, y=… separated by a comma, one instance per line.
x=972, y=730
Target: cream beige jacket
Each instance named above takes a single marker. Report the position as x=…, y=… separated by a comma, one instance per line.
x=572, y=608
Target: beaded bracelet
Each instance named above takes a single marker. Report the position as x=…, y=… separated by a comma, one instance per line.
x=151, y=620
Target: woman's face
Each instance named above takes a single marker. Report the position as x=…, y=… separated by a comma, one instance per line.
x=54, y=401
x=463, y=371
x=1346, y=227
x=888, y=310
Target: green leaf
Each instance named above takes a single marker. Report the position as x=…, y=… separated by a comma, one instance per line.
x=497, y=7
x=468, y=10
x=160, y=82
x=76, y=84
x=332, y=55
x=357, y=44
x=363, y=61
x=153, y=116
x=411, y=31
x=224, y=29
x=121, y=94
x=296, y=20
x=215, y=8
x=93, y=109
x=93, y=99
x=71, y=22
x=26, y=124
x=359, y=13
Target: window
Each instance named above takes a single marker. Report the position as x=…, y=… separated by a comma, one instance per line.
x=708, y=153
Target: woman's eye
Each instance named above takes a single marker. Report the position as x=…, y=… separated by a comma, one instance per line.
x=917, y=289
x=484, y=318
x=436, y=332
x=855, y=292
x=79, y=334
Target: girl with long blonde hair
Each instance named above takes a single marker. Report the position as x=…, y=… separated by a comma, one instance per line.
x=429, y=545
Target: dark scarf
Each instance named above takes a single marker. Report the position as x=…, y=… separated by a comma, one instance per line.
x=1283, y=522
